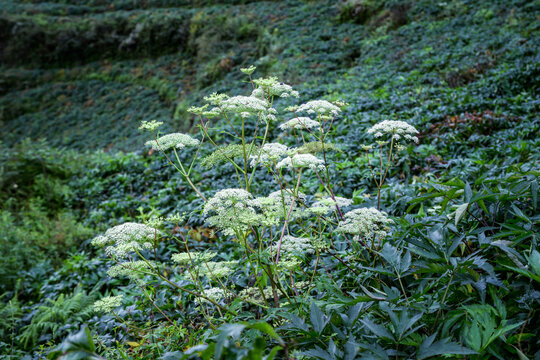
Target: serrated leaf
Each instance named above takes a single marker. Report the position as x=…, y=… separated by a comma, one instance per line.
x=378, y=330
x=318, y=319
x=460, y=211
x=265, y=328
x=428, y=348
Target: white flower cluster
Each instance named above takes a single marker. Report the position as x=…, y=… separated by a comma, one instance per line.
x=235, y=210
x=130, y=269
x=326, y=205
x=253, y=294
x=194, y=256
x=241, y=104
x=272, y=87
x=366, y=222
x=126, y=238
x=301, y=161
x=174, y=140
x=215, y=98
x=269, y=153
x=150, y=125
x=291, y=246
x=276, y=206
x=396, y=129
x=300, y=123
x=214, y=293
x=108, y=303
x=321, y=107
x=289, y=263
x=216, y=269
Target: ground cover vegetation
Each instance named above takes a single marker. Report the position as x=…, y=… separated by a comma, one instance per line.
x=368, y=189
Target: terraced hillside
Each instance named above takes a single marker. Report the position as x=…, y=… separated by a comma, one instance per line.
x=77, y=78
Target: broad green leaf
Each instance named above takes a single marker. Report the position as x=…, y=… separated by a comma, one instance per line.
x=377, y=329
x=460, y=211
x=265, y=328
x=468, y=192
x=318, y=319
x=429, y=348
x=534, y=261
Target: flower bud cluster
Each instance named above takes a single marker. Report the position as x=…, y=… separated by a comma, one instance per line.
x=108, y=303
x=174, y=140
x=194, y=256
x=300, y=123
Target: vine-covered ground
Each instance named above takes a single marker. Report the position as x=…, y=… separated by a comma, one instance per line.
x=460, y=275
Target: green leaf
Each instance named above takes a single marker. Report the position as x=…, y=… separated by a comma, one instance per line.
x=318, y=319
x=534, y=261
x=474, y=338
x=265, y=328
x=273, y=353
x=468, y=192
x=534, y=193
x=378, y=330
x=428, y=348
x=77, y=346
x=460, y=211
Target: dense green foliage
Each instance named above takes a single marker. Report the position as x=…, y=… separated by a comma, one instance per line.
x=461, y=271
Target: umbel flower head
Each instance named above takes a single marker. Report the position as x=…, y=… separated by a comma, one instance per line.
x=326, y=205
x=214, y=293
x=126, y=238
x=131, y=269
x=216, y=269
x=295, y=246
x=300, y=123
x=194, y=256
x=174, y=140
x=150, y=125
x=108, y=303
x=366, y=222
x=319, y=107
x=269, y=153
x=235, y=211
x=240, y=104
x=277, y=205
x=301, y=161
x=272, y=87
x=397, y=130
